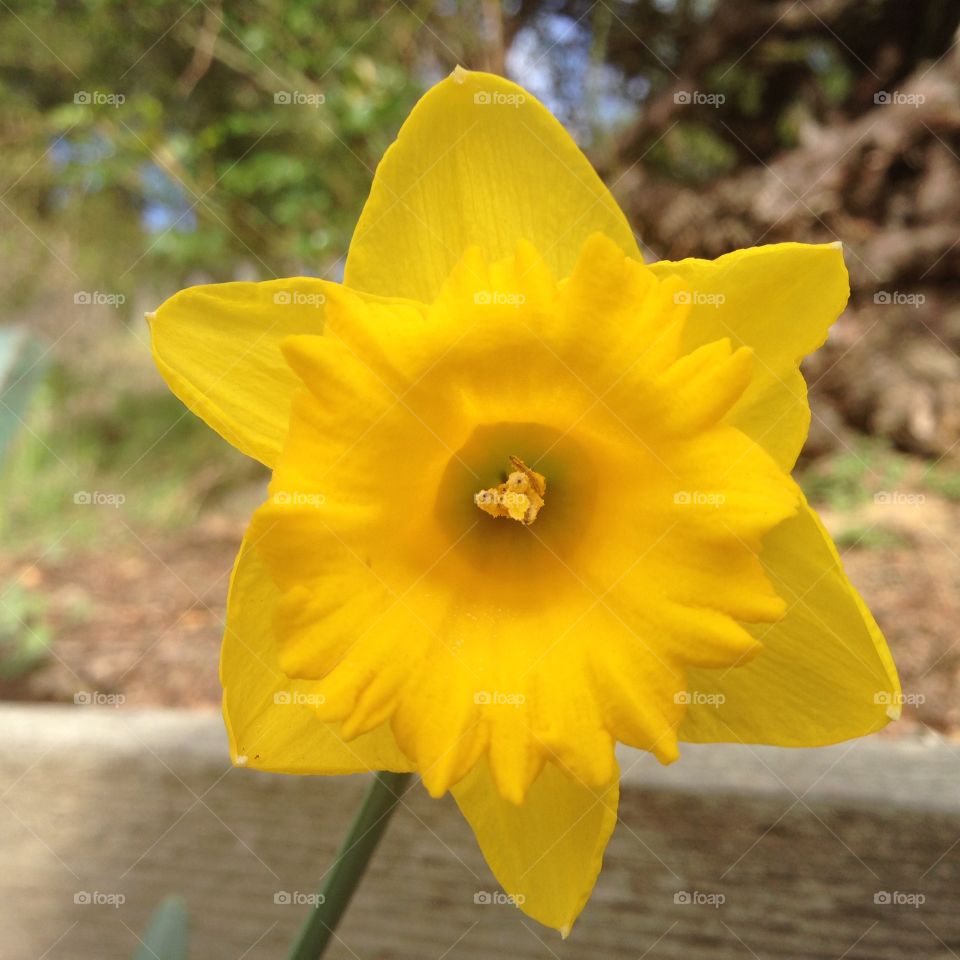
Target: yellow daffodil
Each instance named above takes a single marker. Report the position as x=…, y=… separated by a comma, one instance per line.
x=531, y=497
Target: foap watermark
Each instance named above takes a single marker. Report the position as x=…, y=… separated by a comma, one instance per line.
x=699, y=498
x=297, y=898
x=99, y=98
x=699, y=898
x=97, y=898
x=698, y=98
x=899, y=898
x=698, y=698
x=496, y=98
x=297, y=98
x=298, y=298
x=699, y=298
x=884, y=698
x=94, y=698
x=97, y=498
x=498, y=298
x=898, y=298
x=485, y=897
x=297, y=698
x=886, y=97
x=898, y=498
x=98, y=298
x=508, y=499
x=496, y=698
x=296, y=498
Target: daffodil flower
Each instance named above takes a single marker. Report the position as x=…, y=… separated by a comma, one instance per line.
x=531, y=497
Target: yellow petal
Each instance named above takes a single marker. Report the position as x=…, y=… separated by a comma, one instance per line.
x=547, y=852
x=271, y=720
x=218, y=348
x=478, y=161
x=824, y=672
x=779, y=300
x=446, y=748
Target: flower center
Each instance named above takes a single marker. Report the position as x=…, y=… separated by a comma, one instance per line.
x=519, y=497
x=503, y=560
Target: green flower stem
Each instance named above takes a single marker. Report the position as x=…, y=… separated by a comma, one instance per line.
x=344, y=876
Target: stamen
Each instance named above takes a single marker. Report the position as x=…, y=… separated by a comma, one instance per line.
x=520, y=497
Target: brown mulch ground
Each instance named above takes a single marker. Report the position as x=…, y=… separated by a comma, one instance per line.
x=914, y=592
x=149, y=622
x=151, y=613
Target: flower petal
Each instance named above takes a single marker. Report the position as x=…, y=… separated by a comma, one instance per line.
x=780, y=300
x=218, y=348
x=478, y=161
x=271, y=722
x=546, y=852
x=824, y=673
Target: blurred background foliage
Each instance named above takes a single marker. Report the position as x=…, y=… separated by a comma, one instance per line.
x=202, y=166
x=154, y=144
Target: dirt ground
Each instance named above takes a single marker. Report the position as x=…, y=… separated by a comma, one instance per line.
x=913, y=589
x=150, y=618
x=143, y=619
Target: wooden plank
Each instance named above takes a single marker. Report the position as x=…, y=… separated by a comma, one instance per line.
x=733, y=852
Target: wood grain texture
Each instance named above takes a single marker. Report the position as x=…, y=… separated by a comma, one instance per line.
x=797, y=843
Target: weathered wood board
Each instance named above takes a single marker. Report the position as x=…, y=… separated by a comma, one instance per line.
x=848, y=852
